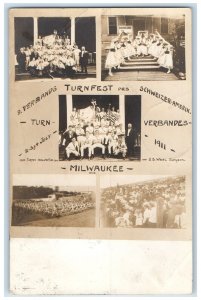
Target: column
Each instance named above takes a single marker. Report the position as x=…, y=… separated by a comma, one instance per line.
x=69, y=108
x=72, y=30
x=122, y=110
x=35, y=29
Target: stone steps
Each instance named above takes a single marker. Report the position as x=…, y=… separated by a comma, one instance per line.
x=142, y=63
x=145, y=59
x=138, y=67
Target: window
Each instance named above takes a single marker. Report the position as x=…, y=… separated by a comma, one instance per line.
x=112, y=21
x=164, y=25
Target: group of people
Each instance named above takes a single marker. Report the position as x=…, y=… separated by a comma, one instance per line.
x=102, y=131
x=149, y=204
x=62, y=207
x=51, y=56
x=123, y=48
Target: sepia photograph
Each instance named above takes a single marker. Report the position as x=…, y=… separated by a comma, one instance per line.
x=55, y=47
x=98, y=127
x=143, y=47
x=39, y=200
x=147, y=201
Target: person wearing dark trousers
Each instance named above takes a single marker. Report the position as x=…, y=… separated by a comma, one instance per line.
x=21, y=59
x=84, y=55
x=131, y=136
x=68, y=135
x=34, y=55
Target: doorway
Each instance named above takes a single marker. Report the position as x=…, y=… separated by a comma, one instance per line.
x=85, y=33
x=138, y=25
x=46, y=26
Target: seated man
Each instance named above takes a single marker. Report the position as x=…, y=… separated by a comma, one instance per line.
x=120, y=147
x=86, y=144
x=32, y=67
x=96, y=143
x=72, y=148
x=80, y=134
x=102, y=133
x=90, y=129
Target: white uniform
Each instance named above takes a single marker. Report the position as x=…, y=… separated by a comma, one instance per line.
x=102, y=133
x=97, y=144
x=112, y=143
x=80, y=135
x=120, y=148
x=72, y=148
x=76, y=53
x=86, y=144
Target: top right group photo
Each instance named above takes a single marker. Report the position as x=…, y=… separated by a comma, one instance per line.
x=143, y=47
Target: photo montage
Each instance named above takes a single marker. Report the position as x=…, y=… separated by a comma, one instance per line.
x=101, y=123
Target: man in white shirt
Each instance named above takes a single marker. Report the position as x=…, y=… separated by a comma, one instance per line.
x=90, y=129
x=102, y=133
x=146, y=215
x=112, y=143
x=153, y=215
x=102, y=114
x=80, y=134
x=72, y=148
x=120, y=147
x=86, y=144
x=76, y=54
x=96, y=143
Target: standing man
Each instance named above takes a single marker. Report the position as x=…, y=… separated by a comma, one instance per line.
x=21, y=59
x=76, y=54
x=131, y=136
x=84, y=55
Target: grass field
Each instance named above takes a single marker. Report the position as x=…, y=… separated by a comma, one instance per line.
x=82, y=219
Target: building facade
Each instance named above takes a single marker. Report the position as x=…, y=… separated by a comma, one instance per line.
x=169, y=28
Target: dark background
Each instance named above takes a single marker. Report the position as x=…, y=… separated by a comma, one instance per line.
x=132, y=107
x=85, y=30
x=23, y=32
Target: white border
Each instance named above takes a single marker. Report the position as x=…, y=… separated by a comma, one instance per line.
x=3, y=61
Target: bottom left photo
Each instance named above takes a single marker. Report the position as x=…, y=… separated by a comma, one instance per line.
x=53, y=200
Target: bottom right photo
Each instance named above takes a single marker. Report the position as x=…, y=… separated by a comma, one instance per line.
x=143, y=201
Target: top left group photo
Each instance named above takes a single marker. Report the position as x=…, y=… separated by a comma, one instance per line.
x=54, y=47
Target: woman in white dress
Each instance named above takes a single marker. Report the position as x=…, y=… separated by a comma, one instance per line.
x=153, y=47
x=144, y=49
x=130, y=49
x=111, y=60
x=138, y=45
x=158, y=48
x=118, y=54
x=166, y=58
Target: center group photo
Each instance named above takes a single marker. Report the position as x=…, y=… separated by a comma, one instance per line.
x=99, y=127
